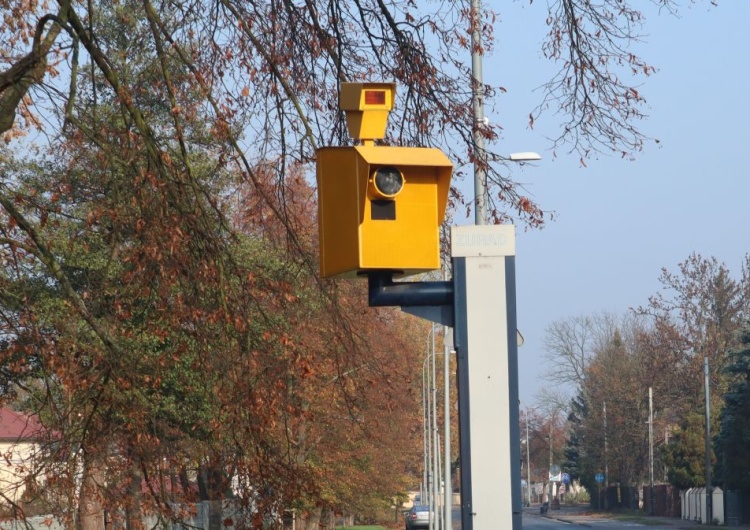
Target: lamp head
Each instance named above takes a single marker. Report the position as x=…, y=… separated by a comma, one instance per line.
x=527, y=156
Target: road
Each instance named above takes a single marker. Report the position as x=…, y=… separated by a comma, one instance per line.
x=535, y=522
x=583, y=519
x=571, y=517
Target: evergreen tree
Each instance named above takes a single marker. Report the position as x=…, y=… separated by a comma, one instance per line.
x=734, y=435
x=685, y=454
x=574, y=463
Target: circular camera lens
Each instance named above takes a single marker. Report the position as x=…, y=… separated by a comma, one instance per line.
x=388, y=181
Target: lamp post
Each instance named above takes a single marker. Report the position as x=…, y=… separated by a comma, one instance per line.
x=651, y=449
x=427, y=446
x=431, y=438
x=448, y=500
x=477, y=91
x=480, y=121
x=432, y=465
x=606, y=461
x=709, y=506
x=528, y=462
x=434, y=523
x=551, y=485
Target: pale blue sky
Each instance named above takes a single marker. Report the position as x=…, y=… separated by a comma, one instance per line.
x=618, y=222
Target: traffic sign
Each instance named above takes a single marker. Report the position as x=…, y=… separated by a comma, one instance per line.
x=599, y=477
x=566, y=478
x=554, y=473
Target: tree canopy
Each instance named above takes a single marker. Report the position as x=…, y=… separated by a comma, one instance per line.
x=613, y=362
x=159, y=299
x=732, y=439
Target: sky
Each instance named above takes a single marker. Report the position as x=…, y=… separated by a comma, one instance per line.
x=618, y=222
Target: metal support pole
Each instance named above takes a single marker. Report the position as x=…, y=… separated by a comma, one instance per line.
x=477, y=90
x=651, y=449
x=428, y=429
x=552, y=484
x=709, y=506
x=448, y=500
x=528, y=461
x=551, y=489
x=606, y=460
x=425, y=423
x=438, y=511
x=435, y=446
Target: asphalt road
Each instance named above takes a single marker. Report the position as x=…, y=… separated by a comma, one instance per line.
x=535, y=522
x=571, y=517
x=580, y=518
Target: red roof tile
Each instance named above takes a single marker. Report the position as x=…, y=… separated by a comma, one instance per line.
x=15, y=426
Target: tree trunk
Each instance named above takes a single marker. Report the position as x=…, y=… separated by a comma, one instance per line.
x=311, y=520
x=133, y=515
x=215, y=515
x=90, y=509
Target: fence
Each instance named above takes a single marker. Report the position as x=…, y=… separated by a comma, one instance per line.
x=42, y=522
x=622, y=497
x=667, y=502
x=205, y=515
x=694, y=505
x=735, y=500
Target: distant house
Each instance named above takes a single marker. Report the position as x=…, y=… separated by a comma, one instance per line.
x=20, y=436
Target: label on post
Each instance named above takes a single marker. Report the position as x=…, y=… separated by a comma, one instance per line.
x=483, y=240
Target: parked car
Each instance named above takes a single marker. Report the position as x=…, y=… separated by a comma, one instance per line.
x=418, y=517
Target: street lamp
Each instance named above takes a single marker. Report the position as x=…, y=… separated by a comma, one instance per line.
x=480, y=121
x=432, y=463
x=481, y=191
x=709, y=500
x=551, y=485
x=526, y=156
x=651, y=449
x=428, y=476
x=528, y=461
x=430, y=432
x=436, y=443
x=480, y=155
x=448, y=492
x=426, y=462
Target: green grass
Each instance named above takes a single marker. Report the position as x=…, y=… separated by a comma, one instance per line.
x=639, y=519
x=365, y=527
x=645, y=520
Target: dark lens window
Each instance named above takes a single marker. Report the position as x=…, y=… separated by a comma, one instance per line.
x=388, y=181
x=383, y=210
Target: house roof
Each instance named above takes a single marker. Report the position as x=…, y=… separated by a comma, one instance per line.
x=15, y=426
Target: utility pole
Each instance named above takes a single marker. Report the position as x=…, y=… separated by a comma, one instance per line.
x=434, y=522
x=551, y=485
x=528, y=461
x=709, y=506
x=427, y=384
x=477, y=90
x=651, y=449
x=606, y=460
x=423, y=494
x=448, y=499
